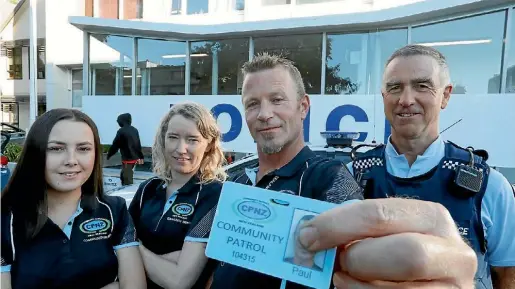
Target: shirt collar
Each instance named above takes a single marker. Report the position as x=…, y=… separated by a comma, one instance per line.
x=287, y=170
x=88, y=202
x=79, y=207
x=296, y=163
x=398, y=166
x=187, y=187
x=67, y=229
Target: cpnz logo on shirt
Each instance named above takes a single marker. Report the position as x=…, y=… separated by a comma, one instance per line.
x=183, y=209
x=96, y=229
x=181, y=212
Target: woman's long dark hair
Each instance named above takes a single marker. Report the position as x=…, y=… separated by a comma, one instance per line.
x=25, y=193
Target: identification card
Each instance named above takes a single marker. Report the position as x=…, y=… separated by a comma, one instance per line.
x=258, y=229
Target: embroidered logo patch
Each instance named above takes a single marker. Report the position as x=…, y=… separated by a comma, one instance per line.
x=183, y=209
x=96, y=229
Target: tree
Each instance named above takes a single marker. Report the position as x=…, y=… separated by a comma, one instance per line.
x=459, y=89
x=335, y=84
x=231, y=54
x=304, y=50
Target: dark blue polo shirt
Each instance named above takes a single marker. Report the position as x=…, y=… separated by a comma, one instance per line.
x=162, y=225
x=305, y=175
x=81, y=255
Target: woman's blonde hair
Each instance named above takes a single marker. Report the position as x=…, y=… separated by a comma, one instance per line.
x=211, y=165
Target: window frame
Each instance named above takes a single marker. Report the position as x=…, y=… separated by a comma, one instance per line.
x=11, y=73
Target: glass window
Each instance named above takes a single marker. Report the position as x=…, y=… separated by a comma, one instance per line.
x=355, y=62
x=161, y=67
x=176, y=7
x=510, y=57
x=77, y=92
x=216, y=66
x=41, y=108
x=41, y=62
x=304, y=50
x=111, y=65
x=10, y=113
x=239, y=5
x=198, y=6
x=472, y=47
x=275, y=2
x=14, y=62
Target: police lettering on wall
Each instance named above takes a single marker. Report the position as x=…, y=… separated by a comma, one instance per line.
x=332, y=123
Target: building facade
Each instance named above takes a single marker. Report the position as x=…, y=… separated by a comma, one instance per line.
x=108, y=57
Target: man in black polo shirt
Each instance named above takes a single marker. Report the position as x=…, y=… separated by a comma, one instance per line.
x=275, y=106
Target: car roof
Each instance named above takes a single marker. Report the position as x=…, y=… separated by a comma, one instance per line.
x=120, y=191
x=315, y=148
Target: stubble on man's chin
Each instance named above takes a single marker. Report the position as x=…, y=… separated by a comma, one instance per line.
x=271, y=149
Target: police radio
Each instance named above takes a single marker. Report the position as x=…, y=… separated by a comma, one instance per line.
x=365, y=182
x=468, y=177
x=363, y=176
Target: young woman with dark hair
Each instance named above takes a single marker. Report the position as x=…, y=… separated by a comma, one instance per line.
x=59, y=230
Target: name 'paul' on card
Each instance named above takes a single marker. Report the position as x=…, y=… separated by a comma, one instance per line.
x=258, y=229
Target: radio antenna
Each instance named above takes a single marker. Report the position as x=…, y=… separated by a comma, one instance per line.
x=451, y=125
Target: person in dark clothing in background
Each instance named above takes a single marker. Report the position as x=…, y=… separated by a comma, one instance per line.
x=127, y=141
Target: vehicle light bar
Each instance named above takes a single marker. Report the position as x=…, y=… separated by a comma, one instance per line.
x=339, y=138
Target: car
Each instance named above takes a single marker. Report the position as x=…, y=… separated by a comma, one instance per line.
x=339, y=149
x=5, y=172
x=238, y=167
x=9, y=134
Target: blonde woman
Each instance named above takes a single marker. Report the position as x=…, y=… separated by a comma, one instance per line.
x=173, y=211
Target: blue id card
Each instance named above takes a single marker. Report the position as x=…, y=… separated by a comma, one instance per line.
x=258, y=229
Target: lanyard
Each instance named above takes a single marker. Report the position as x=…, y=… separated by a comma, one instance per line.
x=271, y=182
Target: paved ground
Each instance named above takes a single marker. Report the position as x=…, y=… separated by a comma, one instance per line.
x=112, y=172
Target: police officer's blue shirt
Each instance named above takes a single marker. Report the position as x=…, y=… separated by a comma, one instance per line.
x=305, y=175
x=497, y=207
x=80, y=255
x=164, y=224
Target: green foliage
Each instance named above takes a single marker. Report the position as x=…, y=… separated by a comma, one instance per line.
x=304, y=50
x=105, y=148
x=13, y=152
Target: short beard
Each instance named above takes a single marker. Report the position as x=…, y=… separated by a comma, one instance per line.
x=271, y=149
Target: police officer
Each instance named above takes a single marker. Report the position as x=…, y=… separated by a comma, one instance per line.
x=275, y=106
x=173, y=211
x=58, y=228
x=417, y=163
